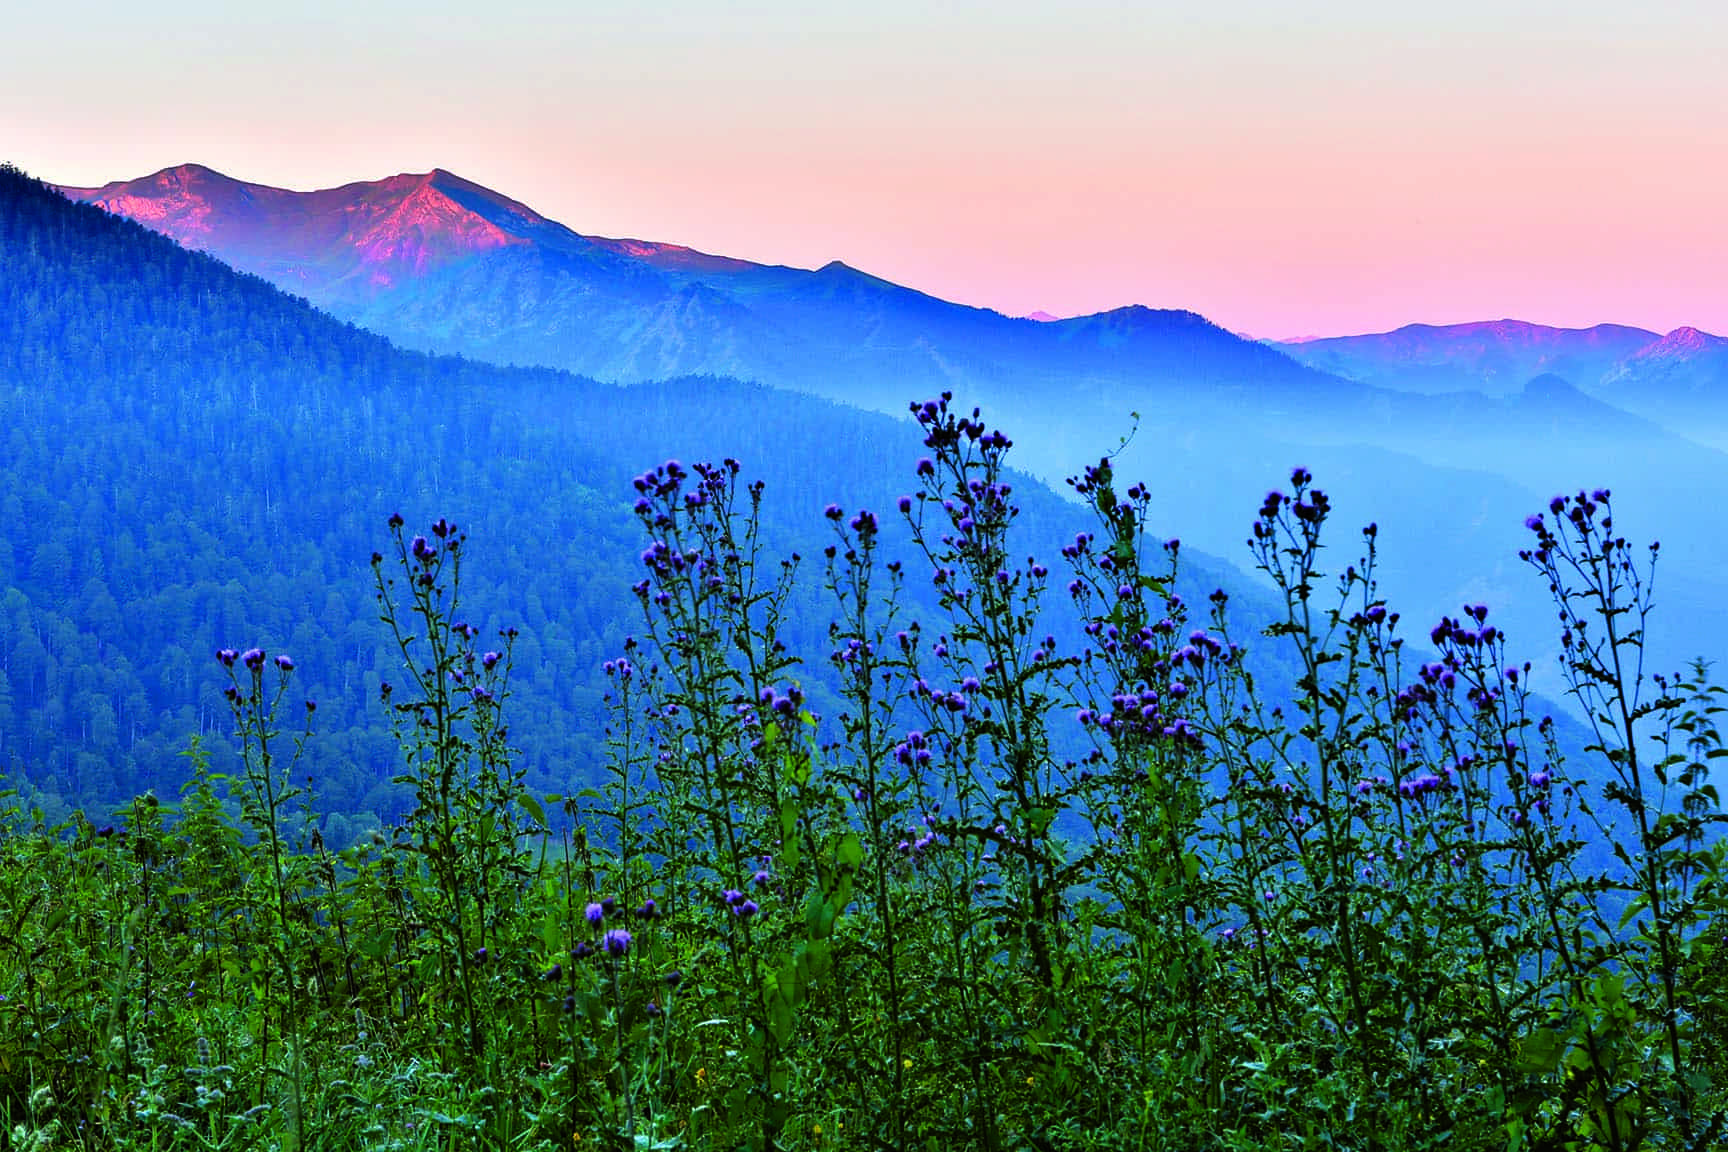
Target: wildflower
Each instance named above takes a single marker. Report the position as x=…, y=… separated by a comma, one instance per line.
x=594, y=914
x=253, y=658
x=616, y=943
x=649, y=910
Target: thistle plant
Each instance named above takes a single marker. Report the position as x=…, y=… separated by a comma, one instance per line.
x=266, y=789
x=999, y=868
x=468, y=794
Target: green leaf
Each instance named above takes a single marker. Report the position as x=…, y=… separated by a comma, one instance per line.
x=1540, y=1052
x=819, y=916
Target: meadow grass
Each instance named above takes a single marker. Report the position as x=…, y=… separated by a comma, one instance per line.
x=1018, y=891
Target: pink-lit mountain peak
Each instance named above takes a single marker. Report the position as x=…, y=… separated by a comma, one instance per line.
x=381, y=230
x=179, y=201
x=1686, y=343
x=412, y=224
x=378, y=232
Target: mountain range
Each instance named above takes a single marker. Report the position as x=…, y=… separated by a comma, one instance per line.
x=1675, y=379
x=195, y=460
x=1448, y=437
x=442, y=264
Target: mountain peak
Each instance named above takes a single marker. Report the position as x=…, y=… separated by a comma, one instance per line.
x=383, y=230
x=1682, y=344
x=194, y=172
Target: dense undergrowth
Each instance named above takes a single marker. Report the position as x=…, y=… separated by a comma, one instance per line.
x=1358, y=919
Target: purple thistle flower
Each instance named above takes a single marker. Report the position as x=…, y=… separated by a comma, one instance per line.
x=284, y=663
x=253, y=658
x=594, y=914
x=616, y=943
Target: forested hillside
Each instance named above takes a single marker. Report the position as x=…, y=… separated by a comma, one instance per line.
x=194, y=460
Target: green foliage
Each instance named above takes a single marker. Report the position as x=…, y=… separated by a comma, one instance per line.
x=934, y=921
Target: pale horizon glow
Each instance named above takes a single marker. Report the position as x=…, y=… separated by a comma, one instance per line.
x=1285, y=169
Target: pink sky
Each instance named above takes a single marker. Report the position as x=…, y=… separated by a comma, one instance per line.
x=1286, y=169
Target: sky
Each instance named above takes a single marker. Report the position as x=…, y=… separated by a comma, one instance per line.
x=1285, y=168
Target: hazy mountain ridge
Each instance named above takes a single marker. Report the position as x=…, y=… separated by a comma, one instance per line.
x=196, y=460
x=491, y=277
x=1220, y=418
x=1677, y=379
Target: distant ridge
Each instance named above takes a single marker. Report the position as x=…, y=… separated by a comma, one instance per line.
x=1671, y=378
x=1211, y=419
x=441, y=263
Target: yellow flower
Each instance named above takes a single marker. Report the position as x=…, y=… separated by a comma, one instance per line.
x=1031, y=1081
x=816, y=1130
x=906, y=1063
